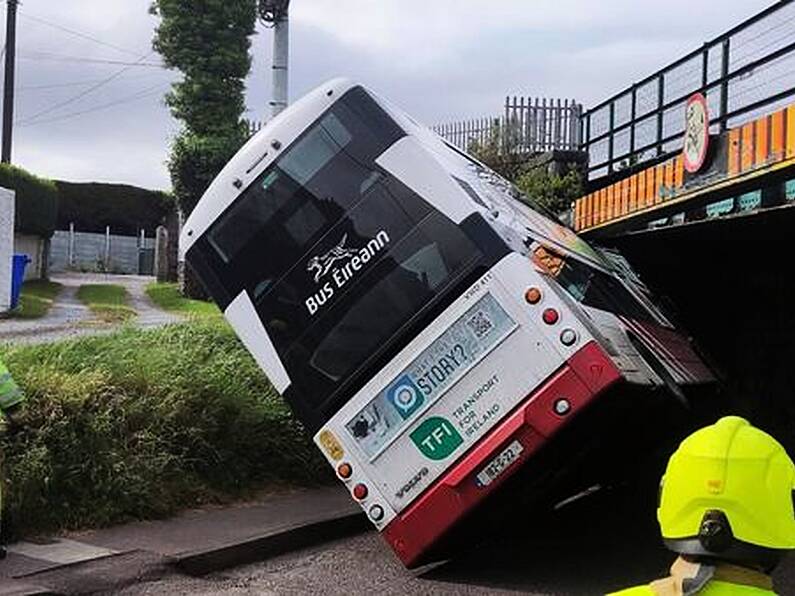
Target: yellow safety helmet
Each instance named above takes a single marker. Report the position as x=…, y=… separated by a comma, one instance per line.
x=728, y=494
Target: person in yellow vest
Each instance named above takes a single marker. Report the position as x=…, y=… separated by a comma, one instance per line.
x=726, y=506
x=11, y=397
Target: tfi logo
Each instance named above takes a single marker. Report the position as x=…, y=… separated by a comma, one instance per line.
x=436, y=438
x=342, y=264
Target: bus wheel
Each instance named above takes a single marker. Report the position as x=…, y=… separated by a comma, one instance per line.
x=671, y=386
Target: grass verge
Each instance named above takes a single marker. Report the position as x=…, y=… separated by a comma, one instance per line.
x=106, y=301
x=167, y=297
x=36, y=299
x=139, y=424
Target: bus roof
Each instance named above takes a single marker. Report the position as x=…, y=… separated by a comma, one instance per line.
x=256, y=155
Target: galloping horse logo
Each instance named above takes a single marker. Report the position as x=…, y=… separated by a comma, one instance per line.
x=322, y=265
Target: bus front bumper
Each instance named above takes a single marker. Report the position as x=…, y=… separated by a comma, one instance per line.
x=418, y=527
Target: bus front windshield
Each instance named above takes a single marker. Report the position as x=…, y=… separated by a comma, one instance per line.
x=336, y=254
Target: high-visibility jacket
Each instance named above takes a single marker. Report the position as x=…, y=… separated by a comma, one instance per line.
x=10, y=393
x=693, y=579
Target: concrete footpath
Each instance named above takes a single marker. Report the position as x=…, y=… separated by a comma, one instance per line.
x=194, y=543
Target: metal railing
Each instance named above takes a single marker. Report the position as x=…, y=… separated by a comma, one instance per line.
x=528, y=126
x=744, y=72
x=253, y=126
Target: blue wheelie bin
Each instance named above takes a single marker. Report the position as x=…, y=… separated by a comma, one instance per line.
x=17, y=277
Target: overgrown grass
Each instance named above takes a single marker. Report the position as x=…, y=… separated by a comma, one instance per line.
x=167, y=297
x=141, y=423
x=36, y=298
x=107, y=301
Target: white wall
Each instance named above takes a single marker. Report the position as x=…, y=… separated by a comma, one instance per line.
x=33, y=246
x=6, y=246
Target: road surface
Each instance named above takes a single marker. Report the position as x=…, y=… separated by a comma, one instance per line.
x=592, y=547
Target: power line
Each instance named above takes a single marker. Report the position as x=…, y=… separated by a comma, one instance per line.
x=48, y=56
x=75, y=83
x=76, y=33
x=153, y=90
x=82, y=94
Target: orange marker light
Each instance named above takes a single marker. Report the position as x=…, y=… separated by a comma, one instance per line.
x=533, y=296
x=344, y=471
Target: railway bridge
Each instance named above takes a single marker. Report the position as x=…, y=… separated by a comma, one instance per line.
x=692, y=177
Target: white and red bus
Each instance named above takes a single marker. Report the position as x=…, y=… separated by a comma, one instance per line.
x=432, y=331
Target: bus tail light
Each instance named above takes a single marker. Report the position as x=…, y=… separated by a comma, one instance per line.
x=360, y=492
x=532, y=296
x=344, y=470
x=550, y=316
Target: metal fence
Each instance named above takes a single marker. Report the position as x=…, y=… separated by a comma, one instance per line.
x=85, y=251
x=744, y=73
x=254, y=126
x=528, y=126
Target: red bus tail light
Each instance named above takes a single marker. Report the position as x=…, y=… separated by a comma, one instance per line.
x=550, y=316
x=360, y=492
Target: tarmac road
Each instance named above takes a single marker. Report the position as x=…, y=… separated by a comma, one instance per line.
x=596, y=545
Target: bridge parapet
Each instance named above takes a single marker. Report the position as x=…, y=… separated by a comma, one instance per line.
x=735, y=162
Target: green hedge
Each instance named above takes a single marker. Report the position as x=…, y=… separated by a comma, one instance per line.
x=37, y=201
x=126, y=209
x=139, y=424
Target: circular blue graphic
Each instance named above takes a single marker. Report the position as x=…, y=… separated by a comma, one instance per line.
x=405, y=396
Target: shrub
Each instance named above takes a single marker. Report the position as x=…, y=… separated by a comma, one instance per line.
x=36, y=201
x=551, y=193
x=138, y=424
x=126, y=209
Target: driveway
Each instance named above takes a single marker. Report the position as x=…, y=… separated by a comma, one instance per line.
x=69, y=318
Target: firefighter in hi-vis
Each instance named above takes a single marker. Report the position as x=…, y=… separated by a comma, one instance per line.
x=726, y=506
x=10, y=398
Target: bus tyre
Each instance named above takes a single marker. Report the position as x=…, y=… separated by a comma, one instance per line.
x=654, y=363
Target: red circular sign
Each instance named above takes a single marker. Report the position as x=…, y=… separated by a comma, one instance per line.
x=696, y=142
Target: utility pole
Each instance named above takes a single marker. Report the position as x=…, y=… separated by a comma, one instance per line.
x=275, y=14
x=8, y=89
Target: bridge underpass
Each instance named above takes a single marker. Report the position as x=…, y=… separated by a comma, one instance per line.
x=730, y=282
x=692, y=177
x=716, y=244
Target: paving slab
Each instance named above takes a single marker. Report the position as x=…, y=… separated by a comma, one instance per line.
x=195, y=542
x=61, y=551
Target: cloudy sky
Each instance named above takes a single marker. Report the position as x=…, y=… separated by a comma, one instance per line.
x=83, y=113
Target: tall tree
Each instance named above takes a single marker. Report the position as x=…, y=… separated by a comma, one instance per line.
x=208, y=41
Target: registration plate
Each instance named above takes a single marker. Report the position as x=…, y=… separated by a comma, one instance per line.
x=500, y=463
